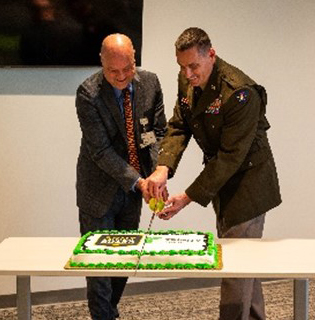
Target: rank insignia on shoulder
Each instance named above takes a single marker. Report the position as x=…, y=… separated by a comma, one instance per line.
x=242, y=95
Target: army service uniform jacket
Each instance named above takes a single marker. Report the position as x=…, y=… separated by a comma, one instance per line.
x=102, y=165
x=228, y=123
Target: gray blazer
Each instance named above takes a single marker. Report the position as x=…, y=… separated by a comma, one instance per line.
x=102, y=165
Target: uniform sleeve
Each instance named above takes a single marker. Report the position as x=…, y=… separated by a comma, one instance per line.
x=175, y=141
x=159, y=123
x=241, y=119
x=99, y=144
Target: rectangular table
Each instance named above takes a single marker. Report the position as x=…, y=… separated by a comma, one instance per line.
x=242, y=258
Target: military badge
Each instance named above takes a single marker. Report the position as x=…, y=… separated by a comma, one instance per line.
x=184, y=100
x=242, y=96
x=215, y=106
x=185, y=104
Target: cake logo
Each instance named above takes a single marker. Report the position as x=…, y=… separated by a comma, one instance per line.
x=112, y=240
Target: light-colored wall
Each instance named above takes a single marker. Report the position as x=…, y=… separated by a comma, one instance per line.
x=272, y=41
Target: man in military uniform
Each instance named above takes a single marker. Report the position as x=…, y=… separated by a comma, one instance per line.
x=224, y=110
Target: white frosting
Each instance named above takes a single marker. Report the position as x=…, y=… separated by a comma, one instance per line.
x=104, y=258
x=175, y=242
x=154, y=242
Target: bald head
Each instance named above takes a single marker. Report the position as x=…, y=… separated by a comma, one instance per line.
x=118, y=60
x=117, y=44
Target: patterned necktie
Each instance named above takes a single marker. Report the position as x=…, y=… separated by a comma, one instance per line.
x=132, y=149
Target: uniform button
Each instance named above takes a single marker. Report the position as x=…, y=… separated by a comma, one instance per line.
x=250, y=164
x=213, y=126
x=196, y=125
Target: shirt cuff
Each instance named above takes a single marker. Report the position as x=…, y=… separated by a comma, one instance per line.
x=133, y=188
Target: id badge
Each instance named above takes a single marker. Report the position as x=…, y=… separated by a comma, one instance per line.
x=147, y=139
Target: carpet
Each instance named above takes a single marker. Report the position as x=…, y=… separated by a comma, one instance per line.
x=194, y=304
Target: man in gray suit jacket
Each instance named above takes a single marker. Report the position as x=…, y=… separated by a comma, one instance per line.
x=109, y=189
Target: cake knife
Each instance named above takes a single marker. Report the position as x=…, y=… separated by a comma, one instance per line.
x=154, y=210
x=155, y=206
x=145, y=236
x=151, y=221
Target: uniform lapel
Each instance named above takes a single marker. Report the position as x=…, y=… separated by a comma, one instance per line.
x=209, y=94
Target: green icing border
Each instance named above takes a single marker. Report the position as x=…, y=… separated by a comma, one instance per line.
x=201, y=266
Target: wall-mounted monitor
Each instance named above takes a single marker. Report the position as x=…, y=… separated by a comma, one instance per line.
x=64, y=32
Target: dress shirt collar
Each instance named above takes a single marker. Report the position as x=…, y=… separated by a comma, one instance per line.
x=119, y=94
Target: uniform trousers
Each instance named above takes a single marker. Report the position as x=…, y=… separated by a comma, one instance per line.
x=104, y=293
x=242, y=299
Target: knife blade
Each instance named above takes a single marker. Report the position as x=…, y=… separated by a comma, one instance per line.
x=145, y=236
x=151, y=221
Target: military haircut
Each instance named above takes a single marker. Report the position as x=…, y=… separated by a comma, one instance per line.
x=192, y=37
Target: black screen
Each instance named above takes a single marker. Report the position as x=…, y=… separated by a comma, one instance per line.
x=64, y=32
